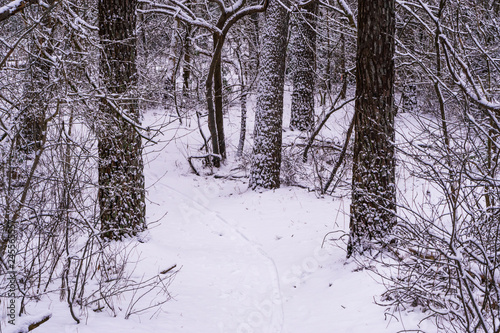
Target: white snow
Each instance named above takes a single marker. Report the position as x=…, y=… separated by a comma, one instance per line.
x=11, y=6
x=249, y=261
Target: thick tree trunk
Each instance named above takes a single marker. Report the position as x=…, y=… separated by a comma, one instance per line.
x=32, y=117
x=266, y=159
x=121, y=178
x=373, y=183
x=37, y=91
x=303, y=51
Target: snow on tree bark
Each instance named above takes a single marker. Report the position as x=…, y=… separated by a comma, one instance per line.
x=243, y=120
x=303, y=53
x=266, y=157
x=121, y=177
x=37, y=90
x=373, y=183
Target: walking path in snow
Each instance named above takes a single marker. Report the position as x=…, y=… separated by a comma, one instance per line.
x=253, y=262
x=249, y=261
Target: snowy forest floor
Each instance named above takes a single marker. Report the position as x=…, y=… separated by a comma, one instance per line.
x=248, y=261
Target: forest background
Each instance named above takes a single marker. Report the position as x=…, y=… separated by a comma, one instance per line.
x=389, y=108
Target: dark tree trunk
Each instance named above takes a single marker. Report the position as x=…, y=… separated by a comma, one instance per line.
x=254, y=44
x=214, y=97
x=373, y=183
x=121, y=177
x=214, y=86
x=219, y=103
x=186, y=69
x=266, y=157
x=343, y=69
x=303, y=50
x=243, y=119
x=213, y=91
x=37, y=91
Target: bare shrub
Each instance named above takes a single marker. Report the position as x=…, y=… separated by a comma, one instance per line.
x=445, y=258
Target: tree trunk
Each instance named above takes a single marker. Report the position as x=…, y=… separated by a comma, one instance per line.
x=121, y=177
x=373, y=183
x=343, y=68
x=213, y=91
x=249, y=70
x=37, y=92
x=266, y=159
x=186, y=68
x=243, y=120
x=304, y=59
x=219, y=103
x=254, y=43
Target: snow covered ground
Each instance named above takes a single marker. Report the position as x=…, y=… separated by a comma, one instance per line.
x=248, y=261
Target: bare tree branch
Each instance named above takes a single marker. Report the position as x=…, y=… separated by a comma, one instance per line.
x=14, y=7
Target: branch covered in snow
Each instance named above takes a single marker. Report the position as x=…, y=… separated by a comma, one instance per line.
x=348, y=13
x=469, y=86
x=178, y=11
x=14, y=7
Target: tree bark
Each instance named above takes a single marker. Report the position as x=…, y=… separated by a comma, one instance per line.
x=214, y=97
x=37, y=94
x=303, y=51
x=121, y=177
x=243, y=108
x=373, y=184
x=186, y=67
x=266, y=157
x=219, y=104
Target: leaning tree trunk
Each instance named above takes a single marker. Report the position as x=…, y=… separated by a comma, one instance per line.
x=373, y=183
x=303, y=51
x=121, y=178
x=266, y=157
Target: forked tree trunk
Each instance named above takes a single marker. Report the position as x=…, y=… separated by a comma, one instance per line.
x=373, y=183
x=266, y=156
x=121, y=178
x=213, y=93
